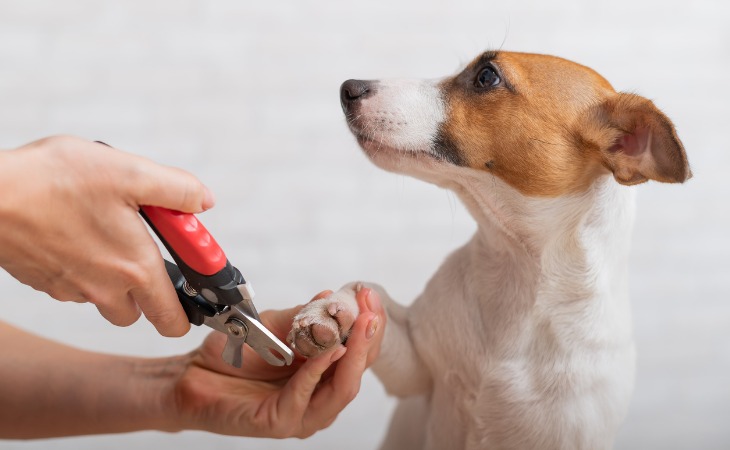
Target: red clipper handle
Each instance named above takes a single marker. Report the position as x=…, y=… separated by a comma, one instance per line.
x=187, y=237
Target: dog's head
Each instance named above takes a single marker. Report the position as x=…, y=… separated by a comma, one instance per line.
x=545, y=126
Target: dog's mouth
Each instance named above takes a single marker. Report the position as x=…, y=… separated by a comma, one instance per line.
x=378, y=147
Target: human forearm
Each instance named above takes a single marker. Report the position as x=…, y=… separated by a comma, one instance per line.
x=49, y=389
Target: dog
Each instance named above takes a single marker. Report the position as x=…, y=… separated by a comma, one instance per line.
x=522, y=339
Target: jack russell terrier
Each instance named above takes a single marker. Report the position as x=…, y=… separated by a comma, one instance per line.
x=522, y=339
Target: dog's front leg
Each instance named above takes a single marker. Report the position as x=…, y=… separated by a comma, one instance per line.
x=326, y=322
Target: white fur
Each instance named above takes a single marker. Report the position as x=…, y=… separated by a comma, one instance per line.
x=522, y=338
x=403, y=114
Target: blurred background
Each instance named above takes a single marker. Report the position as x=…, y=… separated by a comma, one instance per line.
x=245, y=95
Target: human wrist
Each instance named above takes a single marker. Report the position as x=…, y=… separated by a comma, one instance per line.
x=136, y=395
x=152, y=403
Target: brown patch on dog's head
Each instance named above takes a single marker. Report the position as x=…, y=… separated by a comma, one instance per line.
x=550, y=127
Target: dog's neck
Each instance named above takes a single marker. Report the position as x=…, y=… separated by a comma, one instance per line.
x=539, y=227
x=572, y=251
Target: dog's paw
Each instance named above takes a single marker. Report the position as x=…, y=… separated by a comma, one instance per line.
x=324, y=323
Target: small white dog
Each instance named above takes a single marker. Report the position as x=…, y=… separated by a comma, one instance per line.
x=522, y=339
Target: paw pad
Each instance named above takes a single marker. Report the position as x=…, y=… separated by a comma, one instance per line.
x=323, y=324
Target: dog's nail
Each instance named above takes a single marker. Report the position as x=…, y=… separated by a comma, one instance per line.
x=338, y=354
x=372, y=327
x=358, y=287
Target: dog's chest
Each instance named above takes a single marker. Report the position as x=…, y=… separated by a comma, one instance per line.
x=499, y=361
x=474, y=314
x=469, y=328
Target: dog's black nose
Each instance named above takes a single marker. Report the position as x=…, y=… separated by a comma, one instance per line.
x=353, y=90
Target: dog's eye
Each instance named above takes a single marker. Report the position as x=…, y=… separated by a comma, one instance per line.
x=488, y=77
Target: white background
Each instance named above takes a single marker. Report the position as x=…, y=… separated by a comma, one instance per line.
x=245, y=95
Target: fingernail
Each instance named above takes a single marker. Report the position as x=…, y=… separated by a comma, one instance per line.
x=372, y=300
x=338, y=354
x=208, y=200
x=372, y=327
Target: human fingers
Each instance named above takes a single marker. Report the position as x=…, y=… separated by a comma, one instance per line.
x=295, y=397
x=332, y=397
x=159, y=303
x=167, y=316
x=169, y=187
x=121, y=312
x=369, y=300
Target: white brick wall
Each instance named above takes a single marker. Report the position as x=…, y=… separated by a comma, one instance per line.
x=245, y=95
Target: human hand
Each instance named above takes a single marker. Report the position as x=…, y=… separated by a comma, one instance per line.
x=267, y=401
x=71, y=228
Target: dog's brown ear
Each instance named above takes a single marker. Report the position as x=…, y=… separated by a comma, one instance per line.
x=636, y=141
